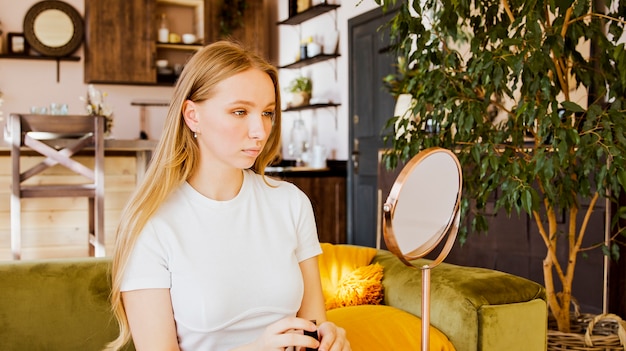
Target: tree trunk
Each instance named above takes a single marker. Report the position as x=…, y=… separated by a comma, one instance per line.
x=559, y=302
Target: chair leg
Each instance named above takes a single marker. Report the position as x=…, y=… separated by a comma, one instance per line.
x=96, y=228
x=99, y=226
x=16, y=228
x=91, y=228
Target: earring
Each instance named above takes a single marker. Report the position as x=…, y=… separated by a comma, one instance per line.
x=195, y=135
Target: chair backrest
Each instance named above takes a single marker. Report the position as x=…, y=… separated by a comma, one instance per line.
x=71, y=134
x=63, y=125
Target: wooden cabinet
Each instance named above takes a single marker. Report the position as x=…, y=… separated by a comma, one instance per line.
x=119, y=41
x=327, y=192
x=121, y=35
x=253, y=33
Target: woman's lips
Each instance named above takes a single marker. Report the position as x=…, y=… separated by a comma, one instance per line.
x=254, y=152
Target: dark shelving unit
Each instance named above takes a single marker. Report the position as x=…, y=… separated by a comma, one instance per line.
x=310, y=60
x=309, y=13
x=310, y=107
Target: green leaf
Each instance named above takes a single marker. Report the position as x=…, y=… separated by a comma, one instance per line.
x=621, y=178
x=615, y=253
x=527, y=201
x=572, y=106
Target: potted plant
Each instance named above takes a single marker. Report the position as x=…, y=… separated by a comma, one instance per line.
x=495, y=81
x=300, y=89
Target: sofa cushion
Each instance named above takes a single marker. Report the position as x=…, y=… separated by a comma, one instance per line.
x=382, y=328
x=59, y=304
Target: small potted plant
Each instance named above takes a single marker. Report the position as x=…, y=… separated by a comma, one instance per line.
x=300, y=89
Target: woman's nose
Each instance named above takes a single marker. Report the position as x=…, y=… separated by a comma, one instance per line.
x=258, y=127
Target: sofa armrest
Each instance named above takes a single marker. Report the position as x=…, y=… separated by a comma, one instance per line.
x=478, y=309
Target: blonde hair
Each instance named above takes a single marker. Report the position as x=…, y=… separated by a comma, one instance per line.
x=177, y=154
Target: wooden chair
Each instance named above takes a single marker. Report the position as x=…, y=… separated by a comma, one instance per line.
x=67, y=135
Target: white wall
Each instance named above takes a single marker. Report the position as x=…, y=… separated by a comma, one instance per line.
x=26, y=83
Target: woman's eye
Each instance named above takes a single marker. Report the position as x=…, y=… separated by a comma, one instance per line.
x=240, y=113
x=269, y=114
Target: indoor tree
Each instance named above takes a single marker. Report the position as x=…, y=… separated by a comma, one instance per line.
x=500, y=82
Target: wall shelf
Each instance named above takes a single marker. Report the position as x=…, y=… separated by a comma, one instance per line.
x=47, y=58
x=183, y=47
x=310, y=60
x=310, y=107
x=309, y=13
x=36, y=57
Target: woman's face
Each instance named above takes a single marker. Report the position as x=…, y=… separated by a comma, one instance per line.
x=233, y=125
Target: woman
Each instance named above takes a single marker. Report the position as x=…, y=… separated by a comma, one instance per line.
x=210, y=254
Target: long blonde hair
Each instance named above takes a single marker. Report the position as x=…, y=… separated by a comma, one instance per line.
x=176, y=155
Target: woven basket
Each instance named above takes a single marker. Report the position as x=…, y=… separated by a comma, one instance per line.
x=604, y=332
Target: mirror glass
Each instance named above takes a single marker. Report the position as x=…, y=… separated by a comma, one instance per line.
x=53, y=28
x=423, y=204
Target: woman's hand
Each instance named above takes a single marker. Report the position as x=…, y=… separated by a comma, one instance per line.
x=285, y=333
x=332, y=338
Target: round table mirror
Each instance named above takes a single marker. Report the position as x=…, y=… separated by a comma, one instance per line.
x=423, y=204
x=53, y=28
x=421, y=210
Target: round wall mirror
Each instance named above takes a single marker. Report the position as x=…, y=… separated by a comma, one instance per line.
x=423, y=204
x=53, y=28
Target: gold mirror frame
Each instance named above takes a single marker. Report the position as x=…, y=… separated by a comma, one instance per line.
x=49, y=32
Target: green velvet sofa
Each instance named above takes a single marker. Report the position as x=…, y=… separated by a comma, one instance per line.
x=477, y=309
x=62, y=304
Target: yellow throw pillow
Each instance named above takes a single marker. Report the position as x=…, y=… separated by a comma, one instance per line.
x=385, y=328
x=338, y=266
x=361, y=287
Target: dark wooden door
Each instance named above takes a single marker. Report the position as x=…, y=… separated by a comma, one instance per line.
x=370, y=108
x=119, y=41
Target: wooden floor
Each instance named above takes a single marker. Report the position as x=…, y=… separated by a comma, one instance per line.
x=57, y=227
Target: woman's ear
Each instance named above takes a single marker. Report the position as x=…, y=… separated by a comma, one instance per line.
x=190, y=114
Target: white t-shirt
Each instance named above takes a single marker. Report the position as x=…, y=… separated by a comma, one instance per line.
x=231, y=266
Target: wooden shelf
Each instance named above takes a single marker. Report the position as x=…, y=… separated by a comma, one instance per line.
x=188, y=3
x=47, y=58
x=310, y=107
x=310, y=60
x=35, y=57
x=182, y=47
x=309, y=13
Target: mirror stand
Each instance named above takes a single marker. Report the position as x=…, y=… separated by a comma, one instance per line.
x=423, y=207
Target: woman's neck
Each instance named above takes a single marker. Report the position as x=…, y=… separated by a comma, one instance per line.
x=215, y=184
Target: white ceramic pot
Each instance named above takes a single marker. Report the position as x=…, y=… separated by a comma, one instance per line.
x=189, y=38
x=331, y=42
x=300, y=99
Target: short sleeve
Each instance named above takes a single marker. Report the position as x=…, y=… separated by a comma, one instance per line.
x=308, y=241
x=147, y=266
